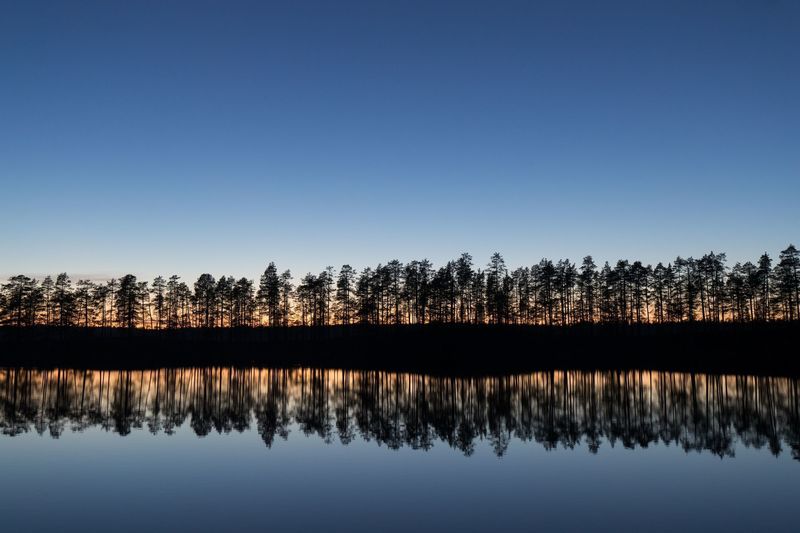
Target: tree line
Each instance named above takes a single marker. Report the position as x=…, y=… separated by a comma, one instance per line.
x=547, y=293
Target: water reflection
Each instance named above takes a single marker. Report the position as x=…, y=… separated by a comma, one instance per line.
x=555, y=409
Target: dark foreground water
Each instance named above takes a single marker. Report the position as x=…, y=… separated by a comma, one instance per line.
x=218, y=449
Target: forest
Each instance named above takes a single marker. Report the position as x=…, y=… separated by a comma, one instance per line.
x=551, y=293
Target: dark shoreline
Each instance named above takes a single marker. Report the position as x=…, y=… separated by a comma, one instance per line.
x=729, y=348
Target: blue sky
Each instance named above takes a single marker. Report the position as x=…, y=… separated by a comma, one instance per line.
x=184, y=137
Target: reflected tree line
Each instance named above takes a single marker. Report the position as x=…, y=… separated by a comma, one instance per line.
x=549, y=292
x=555, y=409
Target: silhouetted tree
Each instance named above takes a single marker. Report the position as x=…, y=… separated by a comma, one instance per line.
x=84, y=299
x=788, y=282
x=173, y=303
x=48, y=287
x=686, y=288
x=443, y=294
x=269, y=296
x=544, y=281
x=127, y=300
x=621, y=280
x=158, y=291
x=113, y=285
x=464, y=276
x=20, y=302
x=143, y=300
x=587, y=284
x=394, y=286
x=763, y=286
x=496, y=296
x=662, y=291
x=711, y=272
x=521, y=296
x=345, y=298
x=243, y=307
x=327, y=284
x=365, y=298
x=478, y=287
x=63, y=300
x=223, y=301
x=286, y=297
x=101, y=299
x=564, y=283
x=606, y=285
x=640, y=291
x=416, y=290
x=205, y=299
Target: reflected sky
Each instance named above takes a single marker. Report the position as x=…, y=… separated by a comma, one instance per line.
x=209, y=449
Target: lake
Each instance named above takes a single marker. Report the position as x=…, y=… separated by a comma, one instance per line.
x=210, y=449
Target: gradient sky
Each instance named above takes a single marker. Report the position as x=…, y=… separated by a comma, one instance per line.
x=185, y=137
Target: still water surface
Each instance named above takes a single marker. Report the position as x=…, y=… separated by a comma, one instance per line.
x=217, y=448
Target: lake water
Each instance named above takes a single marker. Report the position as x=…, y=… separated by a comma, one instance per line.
x=213, y=449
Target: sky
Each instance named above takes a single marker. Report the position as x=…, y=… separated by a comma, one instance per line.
x=186, y=137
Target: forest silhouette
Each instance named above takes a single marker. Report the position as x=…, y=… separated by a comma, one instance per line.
x=548, y=293
x=561, y=409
